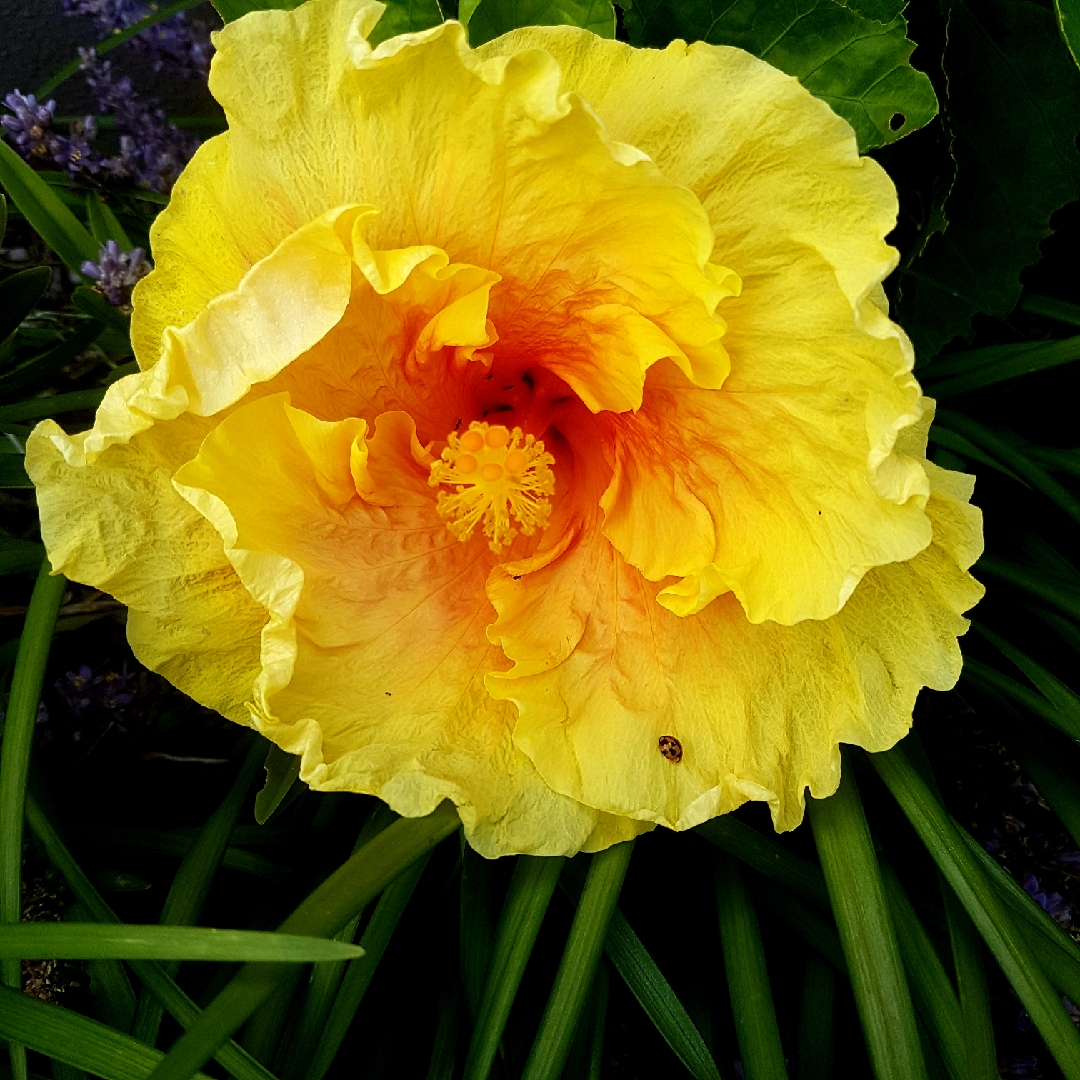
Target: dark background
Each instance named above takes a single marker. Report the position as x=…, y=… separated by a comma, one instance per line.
x=36, y=41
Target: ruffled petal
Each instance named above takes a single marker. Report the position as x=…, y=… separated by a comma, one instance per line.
x=603, y=262
x=374, y=651
x=116, y=523
x=785, y=487
x=759, y=710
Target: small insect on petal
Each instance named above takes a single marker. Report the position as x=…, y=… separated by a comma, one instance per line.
x=671, y=748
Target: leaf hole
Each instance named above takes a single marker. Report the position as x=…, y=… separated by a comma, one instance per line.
x=897, y=121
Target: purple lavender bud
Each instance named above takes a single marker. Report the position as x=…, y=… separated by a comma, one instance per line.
x=30, y=125
x=1054, y=904
x=1017, y=1068
x=116, y=271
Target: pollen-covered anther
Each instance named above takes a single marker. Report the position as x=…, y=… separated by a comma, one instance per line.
x=500, y=478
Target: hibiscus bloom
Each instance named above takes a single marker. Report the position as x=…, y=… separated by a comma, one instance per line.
x=524, y=427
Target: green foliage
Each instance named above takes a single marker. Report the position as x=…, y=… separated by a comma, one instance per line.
x=18, y=296
x=1010, y=85
x=842, y=54
x=1068, y=19
x=490, y=18
x=406, y=17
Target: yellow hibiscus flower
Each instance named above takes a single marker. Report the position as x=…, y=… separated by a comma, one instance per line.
x=525, y=427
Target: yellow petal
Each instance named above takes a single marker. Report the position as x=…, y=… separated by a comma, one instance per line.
x=759, y=710
x=117, y=524
x=786, y=486
x=491, y=163
x=374, y=653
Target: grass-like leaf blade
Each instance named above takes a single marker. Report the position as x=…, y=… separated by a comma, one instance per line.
x=579, y=960
x=324, y=912
x=66, y=1036
x=866, y=931
x=531, y=888
x=125, y=941
x=45, y=211
x=954, y=859
x=18, y=295
x=747, y=977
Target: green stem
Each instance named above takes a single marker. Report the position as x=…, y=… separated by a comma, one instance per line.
x=22, y=710
x=102, y=47
x=579, y=960
x=748, y=979
x=531, y=887
x=855, y=888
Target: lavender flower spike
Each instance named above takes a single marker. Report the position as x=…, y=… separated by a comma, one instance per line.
x=29, y=127
x=116, y=271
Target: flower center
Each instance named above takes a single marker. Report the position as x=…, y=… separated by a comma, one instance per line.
x=498, y=477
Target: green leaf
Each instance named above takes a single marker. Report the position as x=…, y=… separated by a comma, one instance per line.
x=47, y=214
x=1048, y=587
x=193, y=880
x=19, y=556
x=978, y=372
x=1002, y=448
x=767, y=857
x=1068, y=20
x=18, y=295
x=579, y=960
x=1014, y=112
x=476, y=925
x=405, y=17
x=448, y=1024
x=747, y=977
x=337, y=900
x=531, y=887
x=282, y=771
x=1050, y=762
x=817, y=1021
x=968, y=451
x=654, y=994
x=815, y=931
x=975, y=1019
x=1066, y=461
x=103, y=223
x=955, y=861
x=983, y=676
x=234, y=9
x=53, y=405
x=1066, y=701
x=22, y=710
x=358, y=976
x=3, y=217
x=855, y=63
x=66, y=1036
x=13, y=472
x=490, y=18
x=645, y=980
x=1056, y=953
x=932, y=993
x=50, y=362
x=239, y=1063
x=1050, y=307
x=857, y=894
x=90, y=302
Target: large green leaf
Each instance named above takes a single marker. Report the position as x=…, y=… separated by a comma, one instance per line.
x=406, y=17
x=1068, y=17
x=841, y=54
x=1014, y=112
x=490, y=18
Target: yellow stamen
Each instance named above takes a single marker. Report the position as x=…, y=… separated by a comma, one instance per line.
x=499, y=477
